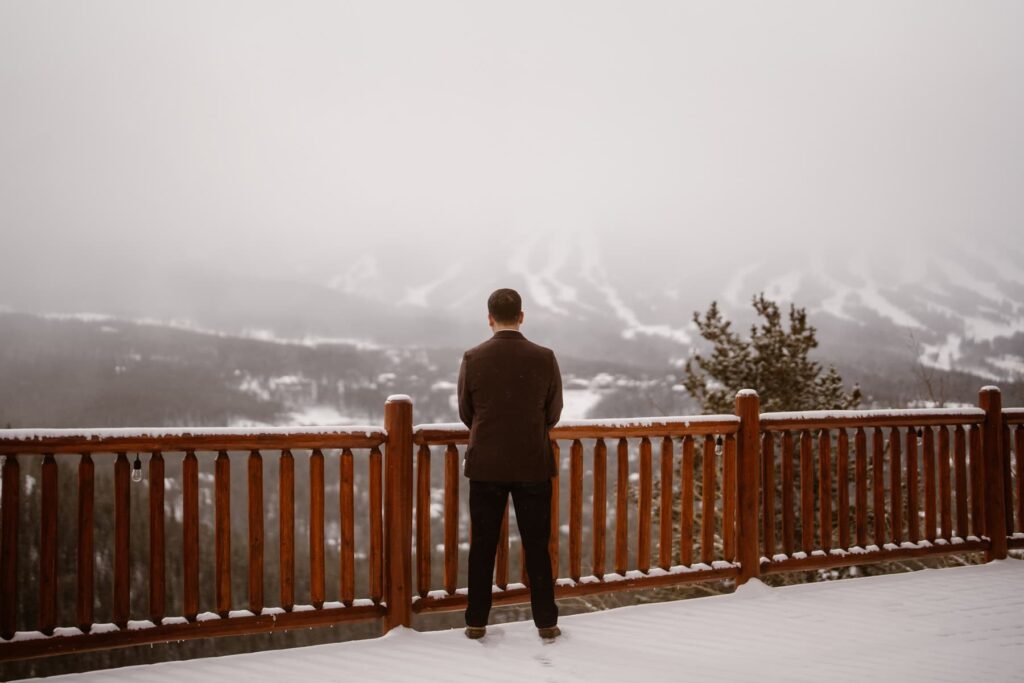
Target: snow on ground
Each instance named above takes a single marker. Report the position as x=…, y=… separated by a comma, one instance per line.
x=594, y=273
x=1009, y=363
x=942, y=355
x=956, y=624
x=320, y=414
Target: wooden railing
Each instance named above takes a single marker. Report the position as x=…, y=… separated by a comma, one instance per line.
x=733, y=496
x=152, y=623
x=901, y=473
x=1013, y=475
x=678, y=440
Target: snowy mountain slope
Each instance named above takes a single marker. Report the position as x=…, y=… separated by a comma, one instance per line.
x=953, y=308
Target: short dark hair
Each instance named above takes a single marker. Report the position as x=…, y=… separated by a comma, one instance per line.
x=504, y=305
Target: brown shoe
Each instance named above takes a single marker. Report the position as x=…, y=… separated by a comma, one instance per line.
x=475, y=632
x=549, y=633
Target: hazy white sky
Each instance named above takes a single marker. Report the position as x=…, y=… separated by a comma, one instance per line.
x=304, y=132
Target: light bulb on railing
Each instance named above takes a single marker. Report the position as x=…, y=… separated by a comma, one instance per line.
x=137, y=469
x=718, y=446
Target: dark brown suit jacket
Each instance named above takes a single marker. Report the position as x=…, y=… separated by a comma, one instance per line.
x=510, y=395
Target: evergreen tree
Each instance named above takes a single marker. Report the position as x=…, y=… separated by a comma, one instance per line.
x=774, y=361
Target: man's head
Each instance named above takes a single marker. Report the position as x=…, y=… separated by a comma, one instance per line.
x=504, y=309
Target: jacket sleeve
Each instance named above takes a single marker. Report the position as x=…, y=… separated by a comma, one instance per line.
x=465, y=398
x=553, y=405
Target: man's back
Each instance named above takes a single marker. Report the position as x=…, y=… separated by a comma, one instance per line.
x=510, y=395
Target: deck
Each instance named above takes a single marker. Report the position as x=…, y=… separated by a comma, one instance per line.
x=955, y=624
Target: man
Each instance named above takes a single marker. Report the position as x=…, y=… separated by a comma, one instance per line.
x=510, y=395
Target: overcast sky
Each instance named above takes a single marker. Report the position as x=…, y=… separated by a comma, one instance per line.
x=305, y=132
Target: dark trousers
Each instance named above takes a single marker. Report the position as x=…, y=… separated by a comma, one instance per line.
x=487, y=501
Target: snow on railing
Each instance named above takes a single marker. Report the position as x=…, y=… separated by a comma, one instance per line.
x=170, y=439
x=27, y=435
x=815, y=419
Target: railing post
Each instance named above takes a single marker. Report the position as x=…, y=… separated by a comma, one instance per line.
x=398, y=511
x=749, y=471
x=991, y=401
x=11, y=475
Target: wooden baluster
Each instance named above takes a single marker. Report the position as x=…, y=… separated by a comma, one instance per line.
x=788, y=486
x=423, y=520
x=729, y=499
x=121, y=606
x=9, y=547
x=501, y=557
x=621, y=513
x=665, y=504
x=860, y=444
x=960, y=466
x=286, y=547
x=86, y=559
x=977, y=476
x=928, y=456
x=347, y=519
x=895, y=485
x=575, y=509
x=376, y=526
x=600, y=503
x=945, y=485
x=643, y=548
x=451, y=518
x=524, y=577
x=222, y=532
x=708, y=494
x=825, y=488
x=157, y=555
x=555, y=526
x=1007, y=479
x=878, y=484
x=806, y=493
x=190, y=533
x=255, y=488
x=317, y=578
x=48, y=546
x=1018, y=449
x=687, y=474
x=843, y=487
x=768, y=493
x=913, y=508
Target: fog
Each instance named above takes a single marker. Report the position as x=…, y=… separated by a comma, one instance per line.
x=289, y=138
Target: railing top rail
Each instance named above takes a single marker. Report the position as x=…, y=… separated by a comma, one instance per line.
x=187, y=438
x=911, y=417
x=674, y=425
x=1014, y=416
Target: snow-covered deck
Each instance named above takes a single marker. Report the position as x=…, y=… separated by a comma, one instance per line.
x=957, y=624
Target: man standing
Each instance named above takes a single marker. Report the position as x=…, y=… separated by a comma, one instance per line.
x=510, y=395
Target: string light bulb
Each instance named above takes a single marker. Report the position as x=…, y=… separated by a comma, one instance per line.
x=137, y=469
x=718, y=446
